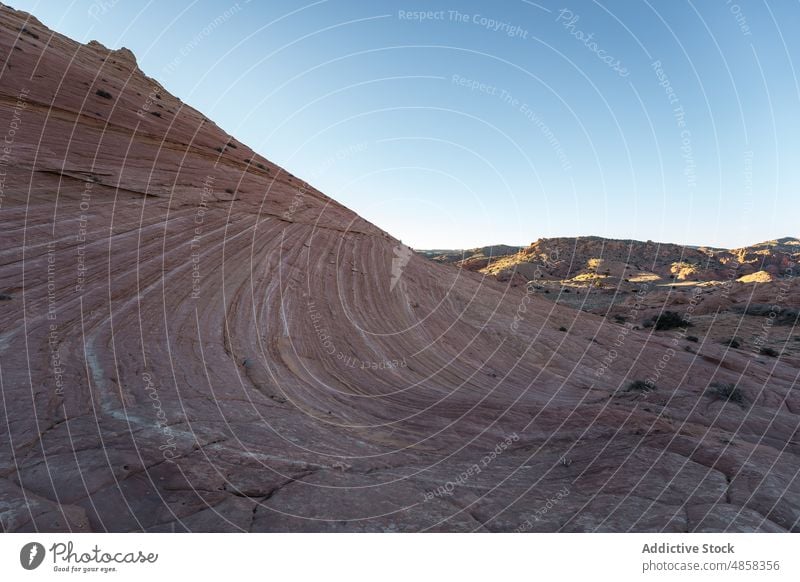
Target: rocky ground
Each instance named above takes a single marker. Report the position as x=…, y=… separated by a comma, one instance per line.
x=749, y=295
x=192, y=339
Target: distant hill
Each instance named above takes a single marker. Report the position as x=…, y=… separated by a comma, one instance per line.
x=472, y=259
x=601, y=261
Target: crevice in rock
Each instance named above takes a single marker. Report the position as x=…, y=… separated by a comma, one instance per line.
x=260, y=500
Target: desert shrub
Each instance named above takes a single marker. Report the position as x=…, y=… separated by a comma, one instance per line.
x=219, y=149
x=5, y=297
x=229, y=190
x=789, y=317
x=727, y=392
x=733, y=342
x=692, y=338
x=758, y=309
x=669, y=320
x=639, y=386
x=562, y=328
x=781, y=315
x=102, y=93
x=766, y=351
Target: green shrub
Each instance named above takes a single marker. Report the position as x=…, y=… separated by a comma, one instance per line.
x=669, y=320
x=788, y=317
x=639, y=386
x=780, y=316
x=727, y=392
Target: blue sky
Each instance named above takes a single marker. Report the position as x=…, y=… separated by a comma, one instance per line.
x=495, y=122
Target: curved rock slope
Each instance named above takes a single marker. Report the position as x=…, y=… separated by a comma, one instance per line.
x=193, y=339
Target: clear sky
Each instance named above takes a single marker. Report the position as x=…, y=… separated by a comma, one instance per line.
x=496, y=121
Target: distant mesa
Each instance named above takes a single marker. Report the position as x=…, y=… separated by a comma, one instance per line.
x=600, y=261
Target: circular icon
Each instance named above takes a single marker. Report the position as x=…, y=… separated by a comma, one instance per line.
x=31, y=555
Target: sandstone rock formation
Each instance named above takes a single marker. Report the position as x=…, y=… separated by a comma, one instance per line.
x=192, y=339
x=599, y=259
